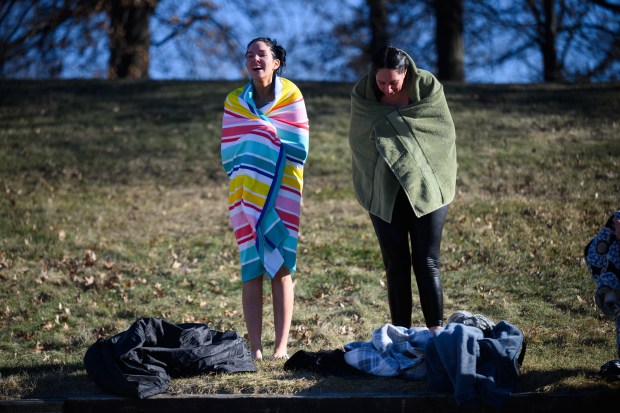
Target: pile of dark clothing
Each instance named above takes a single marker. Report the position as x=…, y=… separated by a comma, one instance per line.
x=474, y=357
x=471, y=357
x=141, y=361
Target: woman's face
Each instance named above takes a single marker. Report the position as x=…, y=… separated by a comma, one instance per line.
x=259, y=61
x=389, y=81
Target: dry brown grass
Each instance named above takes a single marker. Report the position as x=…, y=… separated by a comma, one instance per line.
x=130, y=172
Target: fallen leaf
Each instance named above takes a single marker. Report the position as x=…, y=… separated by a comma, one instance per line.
x=90, y=258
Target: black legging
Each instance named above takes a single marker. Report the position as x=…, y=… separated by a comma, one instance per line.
x=425, y=234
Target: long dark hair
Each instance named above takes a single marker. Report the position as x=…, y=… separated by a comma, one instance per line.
x=277, y=51
x=391, y=58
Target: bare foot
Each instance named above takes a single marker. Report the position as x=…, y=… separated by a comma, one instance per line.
x=279, y=356
x=257, y=355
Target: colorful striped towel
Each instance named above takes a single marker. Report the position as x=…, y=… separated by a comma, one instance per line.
x=263, y=152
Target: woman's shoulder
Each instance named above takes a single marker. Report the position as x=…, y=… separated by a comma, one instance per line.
x=289, y=88
x=288, y=83
x=237, y=91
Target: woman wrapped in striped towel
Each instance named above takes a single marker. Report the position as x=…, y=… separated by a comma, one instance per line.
x=265, y=136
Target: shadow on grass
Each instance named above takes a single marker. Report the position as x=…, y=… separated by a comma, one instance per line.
x=168, y=131
x=71, y=380
x=47, y=382
x=113, y=132
x=593, y=101
x=558, y=381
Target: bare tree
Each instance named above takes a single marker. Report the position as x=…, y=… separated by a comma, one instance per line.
x=350, y=37
x=549, y=36
x=130, y=37
x=340, y=44
x=430, y=30
x=43, y=38
x=33, y=35
x=449, y=39
x=550, y=40
x=378, y=26
x=546, y=36
x=554, y=40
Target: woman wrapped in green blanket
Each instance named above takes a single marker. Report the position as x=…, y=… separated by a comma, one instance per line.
x=402, y=140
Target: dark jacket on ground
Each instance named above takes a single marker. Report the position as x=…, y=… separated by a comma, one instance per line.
x=141, y=361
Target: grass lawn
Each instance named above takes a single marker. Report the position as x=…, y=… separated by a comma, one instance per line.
x=113, y=207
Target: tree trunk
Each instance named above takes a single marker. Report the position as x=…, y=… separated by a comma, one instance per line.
x=130, y=38
x=551, y=72
x=449, y=39
x=378, y=27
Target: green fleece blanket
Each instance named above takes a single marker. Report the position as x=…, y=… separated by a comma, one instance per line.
x=413, y=147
